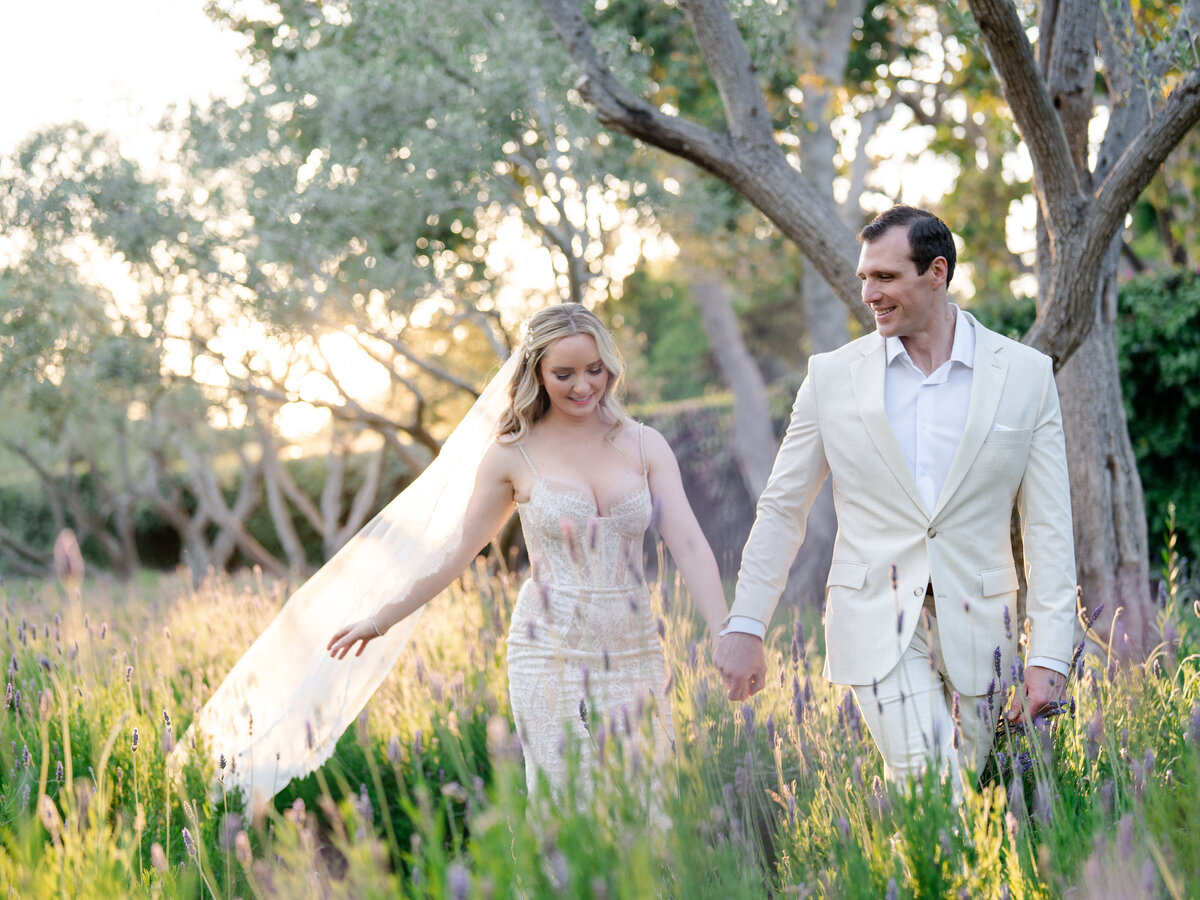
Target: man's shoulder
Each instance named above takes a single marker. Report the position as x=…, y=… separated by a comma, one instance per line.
x=1013, y=351
x=848, y=352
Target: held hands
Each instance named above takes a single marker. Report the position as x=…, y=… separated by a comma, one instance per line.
x=346, y=637
x=1042, y=688
x=742, y=663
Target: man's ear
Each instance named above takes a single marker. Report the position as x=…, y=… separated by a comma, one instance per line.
x=938, y=268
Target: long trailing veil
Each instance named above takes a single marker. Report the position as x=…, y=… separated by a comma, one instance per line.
x=281, y=709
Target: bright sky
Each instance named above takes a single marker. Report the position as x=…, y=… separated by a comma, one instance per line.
x=114, y=64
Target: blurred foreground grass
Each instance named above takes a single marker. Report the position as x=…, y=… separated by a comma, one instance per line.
x=426, y=798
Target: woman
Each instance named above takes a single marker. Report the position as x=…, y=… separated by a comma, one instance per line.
x=587, y=482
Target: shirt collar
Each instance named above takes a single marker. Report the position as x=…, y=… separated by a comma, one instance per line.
x=963, y=350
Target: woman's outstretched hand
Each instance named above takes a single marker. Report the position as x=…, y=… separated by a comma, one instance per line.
x=361, y=632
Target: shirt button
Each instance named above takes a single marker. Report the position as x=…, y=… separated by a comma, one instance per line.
x=932, y=532
x=917, y=592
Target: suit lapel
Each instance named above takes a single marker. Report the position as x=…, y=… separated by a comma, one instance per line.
x=987, y=384
x=866, y=376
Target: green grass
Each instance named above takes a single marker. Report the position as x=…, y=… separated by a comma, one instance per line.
x=425, y=796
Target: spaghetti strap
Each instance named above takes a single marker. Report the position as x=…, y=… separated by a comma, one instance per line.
x=533, y=468
x=642, y=444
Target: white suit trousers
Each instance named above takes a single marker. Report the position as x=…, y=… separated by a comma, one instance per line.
x=912, y=715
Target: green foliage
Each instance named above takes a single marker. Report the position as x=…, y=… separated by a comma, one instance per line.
x=1158, y=339
x=673, y=361
x=1158, y=347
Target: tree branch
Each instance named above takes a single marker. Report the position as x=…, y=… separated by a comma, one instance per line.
x=1029, y=99
x=1138, y=165
x=619, y=108
x=751, y=164
x=729, y=63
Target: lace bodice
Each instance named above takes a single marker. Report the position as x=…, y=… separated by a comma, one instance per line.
x=571, y=545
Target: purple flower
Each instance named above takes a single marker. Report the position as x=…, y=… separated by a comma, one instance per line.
x=362, y=804
x=188, y=843
x=458, y=880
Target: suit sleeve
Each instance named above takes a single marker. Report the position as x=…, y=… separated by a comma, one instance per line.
x=1044, y=505
x=782, y=515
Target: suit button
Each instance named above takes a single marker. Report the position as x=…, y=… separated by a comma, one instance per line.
x=917, y=592
x=932, y=532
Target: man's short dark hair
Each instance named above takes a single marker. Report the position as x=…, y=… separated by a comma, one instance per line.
x=928, y=236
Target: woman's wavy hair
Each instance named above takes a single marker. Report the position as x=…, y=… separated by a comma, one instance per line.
x=528, y=400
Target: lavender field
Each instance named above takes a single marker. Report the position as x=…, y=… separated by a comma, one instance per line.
x=426, y=795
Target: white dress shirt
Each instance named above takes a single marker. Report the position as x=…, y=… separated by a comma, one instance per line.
x=928, y=414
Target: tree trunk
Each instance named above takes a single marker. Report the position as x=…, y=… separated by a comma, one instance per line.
x=753, y=436
x=822, y=32
x=1111, y=552
x=281, y=516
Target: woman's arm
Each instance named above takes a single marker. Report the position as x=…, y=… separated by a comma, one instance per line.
x=681, y=532
x=488, y=508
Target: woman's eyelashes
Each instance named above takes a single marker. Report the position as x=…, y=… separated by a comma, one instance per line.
x=563, y=376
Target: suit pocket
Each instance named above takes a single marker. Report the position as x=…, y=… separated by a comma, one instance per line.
x=849, y=575
x=999, y=581
x=1013, y=436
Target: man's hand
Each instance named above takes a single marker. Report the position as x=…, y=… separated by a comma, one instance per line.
x=1042, y=687
x=742, y=663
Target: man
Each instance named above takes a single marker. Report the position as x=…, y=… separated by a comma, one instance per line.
x=932, y=428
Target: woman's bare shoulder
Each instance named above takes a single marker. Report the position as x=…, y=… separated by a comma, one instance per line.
x=658, y=451
x=501, y=457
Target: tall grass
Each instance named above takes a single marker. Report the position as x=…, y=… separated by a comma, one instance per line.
x=426, y=796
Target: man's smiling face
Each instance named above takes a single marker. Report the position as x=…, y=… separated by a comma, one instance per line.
x=904, y=303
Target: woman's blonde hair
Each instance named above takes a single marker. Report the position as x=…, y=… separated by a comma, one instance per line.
x=528, y=400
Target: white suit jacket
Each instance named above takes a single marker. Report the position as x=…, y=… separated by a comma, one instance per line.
x=1011, y=452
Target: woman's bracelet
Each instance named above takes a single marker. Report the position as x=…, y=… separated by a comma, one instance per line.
x=375, y=625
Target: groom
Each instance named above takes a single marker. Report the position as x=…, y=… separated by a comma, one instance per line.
x=933, y=428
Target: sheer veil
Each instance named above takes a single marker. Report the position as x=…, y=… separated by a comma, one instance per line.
x=281, y=709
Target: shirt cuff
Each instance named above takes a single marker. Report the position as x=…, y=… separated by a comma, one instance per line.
x=744, y=625
x=1046, y=662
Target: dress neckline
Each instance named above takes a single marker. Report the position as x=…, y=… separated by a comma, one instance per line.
x=587, y=499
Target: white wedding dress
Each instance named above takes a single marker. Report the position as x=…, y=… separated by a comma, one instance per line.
x=583, y=639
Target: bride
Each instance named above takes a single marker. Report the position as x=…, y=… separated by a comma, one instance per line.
x=587, y=482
